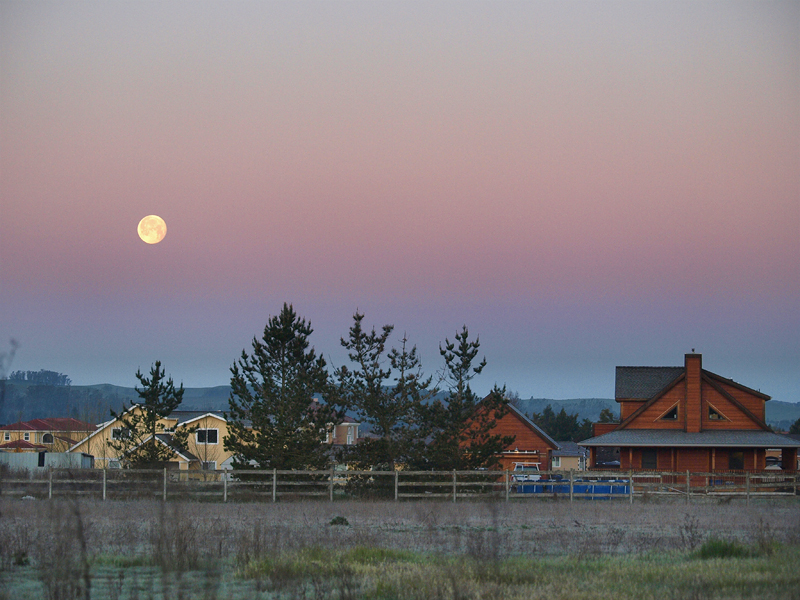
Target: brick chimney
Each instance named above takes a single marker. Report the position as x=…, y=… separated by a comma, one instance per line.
x=694, y=370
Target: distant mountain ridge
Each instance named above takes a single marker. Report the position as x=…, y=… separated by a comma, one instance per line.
x=93, y=403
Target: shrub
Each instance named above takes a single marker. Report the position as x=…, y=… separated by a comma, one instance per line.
x=717, y=548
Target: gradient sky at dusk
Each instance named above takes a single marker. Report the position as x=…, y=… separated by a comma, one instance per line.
x=583, y=184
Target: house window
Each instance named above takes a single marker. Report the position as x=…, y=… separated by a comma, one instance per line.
x=27, y=436
x=47, y=438
x=650, y=459
x=207, y=436
x=350, y=435
x=120, y=433
x=714, y=415
x=671, y=414
x=113, y=464
x=736, y=460
x=557, y=462
x=7, y=436
x=208, y=465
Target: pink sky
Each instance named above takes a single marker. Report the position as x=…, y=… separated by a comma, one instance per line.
x=584, y=185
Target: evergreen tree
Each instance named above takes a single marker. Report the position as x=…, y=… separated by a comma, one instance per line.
x=274, y=422
x=795, y=428
x=136, y=443
x=606, y=416
x=460, y=427
x=388, y=407
x=562, y=426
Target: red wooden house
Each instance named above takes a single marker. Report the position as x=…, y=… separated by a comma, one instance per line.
x=687, y=418
x=531, y=444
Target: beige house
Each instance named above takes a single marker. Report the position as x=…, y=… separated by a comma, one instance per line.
x=569, y=457
x=43, y=435
x=204, y=450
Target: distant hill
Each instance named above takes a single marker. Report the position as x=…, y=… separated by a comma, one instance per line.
x=92, y=403
x=25, y=401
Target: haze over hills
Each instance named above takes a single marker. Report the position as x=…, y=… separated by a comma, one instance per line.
x=92, y=403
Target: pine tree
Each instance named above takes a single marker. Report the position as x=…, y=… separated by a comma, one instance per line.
x=136, y=443
x=387, y=405
x=274, y=422
x=460, y=427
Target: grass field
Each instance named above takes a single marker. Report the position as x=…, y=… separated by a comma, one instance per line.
x=535, y=549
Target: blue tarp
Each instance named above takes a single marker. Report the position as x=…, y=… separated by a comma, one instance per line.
x=579, y=487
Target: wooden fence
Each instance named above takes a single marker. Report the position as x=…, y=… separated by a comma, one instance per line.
x=274, y=485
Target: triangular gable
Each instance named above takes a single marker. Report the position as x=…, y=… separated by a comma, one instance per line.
x=633, y=416
x=532, y=426
x=713, y=381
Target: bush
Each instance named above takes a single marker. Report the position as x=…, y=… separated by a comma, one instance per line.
x=716, y=548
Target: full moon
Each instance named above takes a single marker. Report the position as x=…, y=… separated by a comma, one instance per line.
x=152, y=229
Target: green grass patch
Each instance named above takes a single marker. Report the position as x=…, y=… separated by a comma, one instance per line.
x=717, y=548
x=381, y=573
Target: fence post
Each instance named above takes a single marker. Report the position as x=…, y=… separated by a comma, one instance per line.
x=331, y=484
x=630, y=489
x=224, y=487
x=454, y=485
x=688, y=486
x=164, y=497
x=105, y=471
x=571, y=483
x=50, y=484
x=396, y=477
x=507, y=485
x=747, y=488
x=274, y=485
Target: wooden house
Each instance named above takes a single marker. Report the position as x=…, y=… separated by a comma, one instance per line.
x=531, y=443
x=689, y=419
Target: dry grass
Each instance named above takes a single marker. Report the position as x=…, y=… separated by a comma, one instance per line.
x=148, y=549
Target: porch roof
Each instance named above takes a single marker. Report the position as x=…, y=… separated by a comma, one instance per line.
x=705, y=439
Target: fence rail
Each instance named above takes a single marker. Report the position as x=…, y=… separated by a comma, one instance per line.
x=272, y=485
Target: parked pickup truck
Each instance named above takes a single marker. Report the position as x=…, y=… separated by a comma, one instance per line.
x=526, y=472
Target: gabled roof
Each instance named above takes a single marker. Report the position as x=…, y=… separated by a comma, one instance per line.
x=707, y=439
x=570, y=449
x=538, y=430
x=184, y=417
x=21, y=445
x=54, y=424
x=644, y=382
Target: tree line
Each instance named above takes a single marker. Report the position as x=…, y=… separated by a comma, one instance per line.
x=284, y=402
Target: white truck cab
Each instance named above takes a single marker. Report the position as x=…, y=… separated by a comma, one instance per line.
x=526, y=471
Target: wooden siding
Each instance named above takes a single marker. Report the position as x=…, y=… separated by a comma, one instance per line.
x=526, y=442
x=628, y=407
x=650, y=417
x=735, y=418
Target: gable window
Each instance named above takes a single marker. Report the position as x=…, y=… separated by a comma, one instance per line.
x=715, y=415
x=650, y=459
x=207, y=436
x=120, y=433
x=736, y=460
x=47, y=438
x=671, y=414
